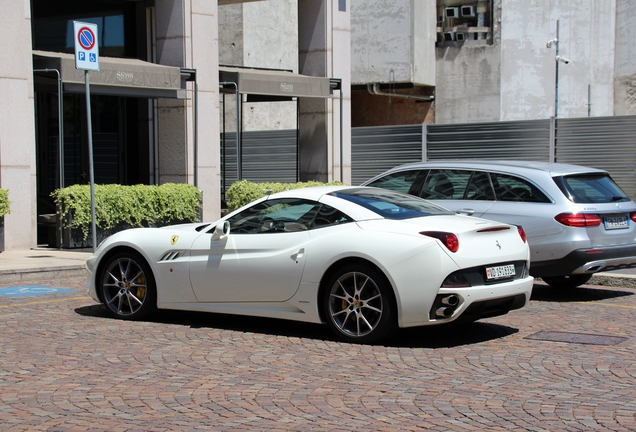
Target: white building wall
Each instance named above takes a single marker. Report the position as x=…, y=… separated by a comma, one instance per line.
x=17, y=134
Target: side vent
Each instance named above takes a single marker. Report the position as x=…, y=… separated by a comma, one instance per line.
x=171, y=255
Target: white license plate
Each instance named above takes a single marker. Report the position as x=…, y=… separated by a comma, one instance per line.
x=500, y=271
x=616, y=222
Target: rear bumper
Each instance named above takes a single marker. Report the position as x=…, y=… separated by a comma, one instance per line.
x=587, y=261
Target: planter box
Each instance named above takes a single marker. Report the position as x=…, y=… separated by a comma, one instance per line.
x=73, y=238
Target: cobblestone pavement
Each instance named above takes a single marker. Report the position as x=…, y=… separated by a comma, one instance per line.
x=65, y=365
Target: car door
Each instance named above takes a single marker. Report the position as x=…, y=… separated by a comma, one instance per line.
x=262, y=258
x=462, y=191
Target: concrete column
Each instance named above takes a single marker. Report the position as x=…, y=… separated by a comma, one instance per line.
x=204, y=57
x=171, y=46
x=187, y=36
x=324, y=50
x=17, y=132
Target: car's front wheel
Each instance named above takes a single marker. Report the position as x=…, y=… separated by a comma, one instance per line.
x=568, y=281
x=359, y=304
x=128, y=287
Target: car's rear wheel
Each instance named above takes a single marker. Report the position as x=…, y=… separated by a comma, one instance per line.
x=128, y=287
x=359, y=304
x=568, y=281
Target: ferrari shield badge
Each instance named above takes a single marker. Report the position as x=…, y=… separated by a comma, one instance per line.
x=173, y=240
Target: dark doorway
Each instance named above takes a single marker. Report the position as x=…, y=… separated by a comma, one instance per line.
x=121, y=126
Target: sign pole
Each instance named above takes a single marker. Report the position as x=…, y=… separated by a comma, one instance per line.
x=87, y=59
x=90, y=158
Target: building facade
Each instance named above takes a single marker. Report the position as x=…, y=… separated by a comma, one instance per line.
x=156, y=101
x=515, y=77
x=491, y=59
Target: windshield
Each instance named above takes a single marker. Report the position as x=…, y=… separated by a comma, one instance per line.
x=591, y=188
x=390, y=204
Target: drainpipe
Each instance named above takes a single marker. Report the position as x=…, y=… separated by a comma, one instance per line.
x=374, y=89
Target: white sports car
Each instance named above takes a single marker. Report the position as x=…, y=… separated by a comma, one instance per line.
x=364, y=260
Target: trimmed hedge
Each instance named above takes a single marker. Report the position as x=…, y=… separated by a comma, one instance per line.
x=4, y=202
x=244, y=192
x=136, y=206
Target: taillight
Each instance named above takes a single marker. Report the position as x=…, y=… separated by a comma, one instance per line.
x=448, y=239
x=633, y=217
x=578, y=219
x=522, y=233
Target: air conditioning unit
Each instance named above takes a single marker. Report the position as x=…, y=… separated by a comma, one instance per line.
x=468, y=11
x=460, y=37
x=451, y=12
x=449, y=36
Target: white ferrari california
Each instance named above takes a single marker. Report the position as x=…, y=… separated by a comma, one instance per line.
x=364, y=260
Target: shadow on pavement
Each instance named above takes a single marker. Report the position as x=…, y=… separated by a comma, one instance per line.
x=580, y=294
x=442, y=336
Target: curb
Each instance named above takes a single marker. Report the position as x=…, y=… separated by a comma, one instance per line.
x=43, y=273
x=603, y=279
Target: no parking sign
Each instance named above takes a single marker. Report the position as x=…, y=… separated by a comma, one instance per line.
x=86, y=46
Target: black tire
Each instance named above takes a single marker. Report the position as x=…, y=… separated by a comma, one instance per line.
x=359, y=305
x=127, y=286
x=568, y=281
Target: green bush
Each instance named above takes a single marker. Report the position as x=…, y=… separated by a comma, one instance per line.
x=4, y=202
x=139, y=205
x=244, y=192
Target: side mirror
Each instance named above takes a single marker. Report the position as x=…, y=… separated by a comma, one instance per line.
x=221, y=231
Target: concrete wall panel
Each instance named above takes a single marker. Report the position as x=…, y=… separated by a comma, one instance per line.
x=468, y=85
x=520, y=70
x=17, y=134
x=271, y=34
x=382, y=41
x=625, y=61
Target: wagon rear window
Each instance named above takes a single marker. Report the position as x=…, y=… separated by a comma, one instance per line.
x=591, y=188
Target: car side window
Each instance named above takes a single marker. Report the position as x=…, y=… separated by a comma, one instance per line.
x=399, y=181
x=328, y=216
x=480, y=187
x=275, y=216
x=445, y=184
x=511, y=188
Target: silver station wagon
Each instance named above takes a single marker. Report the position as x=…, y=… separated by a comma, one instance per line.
x=577, y=220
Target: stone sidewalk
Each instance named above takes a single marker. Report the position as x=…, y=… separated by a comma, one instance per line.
x=42, y=264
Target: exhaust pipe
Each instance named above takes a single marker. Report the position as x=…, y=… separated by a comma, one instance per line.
x=451, y=300
x=444, y=312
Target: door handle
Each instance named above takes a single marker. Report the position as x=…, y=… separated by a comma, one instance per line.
x=297, y=255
